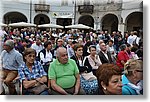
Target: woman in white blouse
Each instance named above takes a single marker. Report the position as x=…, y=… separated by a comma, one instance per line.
x=46, y=55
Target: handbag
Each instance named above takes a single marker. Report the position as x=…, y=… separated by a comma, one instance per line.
x=36, y=90
x=88, y=76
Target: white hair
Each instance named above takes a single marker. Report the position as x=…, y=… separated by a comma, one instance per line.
x=58, y=51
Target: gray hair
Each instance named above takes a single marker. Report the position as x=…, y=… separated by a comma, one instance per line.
x=123, y=47
x=9, y=43
x=59, y=49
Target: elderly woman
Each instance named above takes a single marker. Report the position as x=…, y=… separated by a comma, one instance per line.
x=132, y=78
x=122, y=56
x=109, y=79
x=31, y=72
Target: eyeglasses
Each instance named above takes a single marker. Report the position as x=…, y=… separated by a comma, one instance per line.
x=139, y=71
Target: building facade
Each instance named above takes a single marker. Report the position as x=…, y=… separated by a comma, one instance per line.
x=111, y=15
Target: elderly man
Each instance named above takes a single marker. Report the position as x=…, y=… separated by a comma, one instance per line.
x=104, y=55
x=64, y=74
x=10, y=61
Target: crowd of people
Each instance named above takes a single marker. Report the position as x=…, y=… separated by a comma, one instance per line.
x=72, y=62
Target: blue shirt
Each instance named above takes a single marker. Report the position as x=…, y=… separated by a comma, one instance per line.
x=127, y=90
x=11, y=60
x=37, y=72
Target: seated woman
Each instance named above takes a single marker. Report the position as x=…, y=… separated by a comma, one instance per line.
x=45, y=55
x=122, y=57
x=132, y=78
x=131, y=54
x=88, y=80
x=109, y=79
x=92, y=61
x=31, y=73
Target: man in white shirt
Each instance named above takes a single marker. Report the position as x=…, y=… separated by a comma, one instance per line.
x=37, y=45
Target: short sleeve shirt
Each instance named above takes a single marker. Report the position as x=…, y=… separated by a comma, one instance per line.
x=64, y=74
x=37, y=72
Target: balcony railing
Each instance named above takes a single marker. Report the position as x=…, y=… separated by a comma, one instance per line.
x=85, y=9
x=42, y=8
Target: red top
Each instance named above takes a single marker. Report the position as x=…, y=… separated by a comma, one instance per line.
x=121, y=56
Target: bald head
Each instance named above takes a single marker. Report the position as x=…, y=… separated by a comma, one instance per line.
x=60, y=50
x=62, y=55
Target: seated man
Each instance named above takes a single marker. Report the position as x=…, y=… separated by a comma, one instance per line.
x=64, y=74
x=10, y=61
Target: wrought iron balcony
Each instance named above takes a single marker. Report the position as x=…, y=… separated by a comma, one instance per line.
x=85, y=9
x=42, y=8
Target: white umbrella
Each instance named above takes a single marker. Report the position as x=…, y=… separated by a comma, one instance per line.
x=78, y=26
x=22, y=24
x=50, y=26
x=3, y=25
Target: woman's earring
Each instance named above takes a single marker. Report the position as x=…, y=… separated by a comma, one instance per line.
x=104, y=88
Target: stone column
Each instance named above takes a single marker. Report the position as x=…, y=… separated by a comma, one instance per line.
x=54, y=21
x=94, y=26
x=97, y=26
x=73, y=22
x=121, y=27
